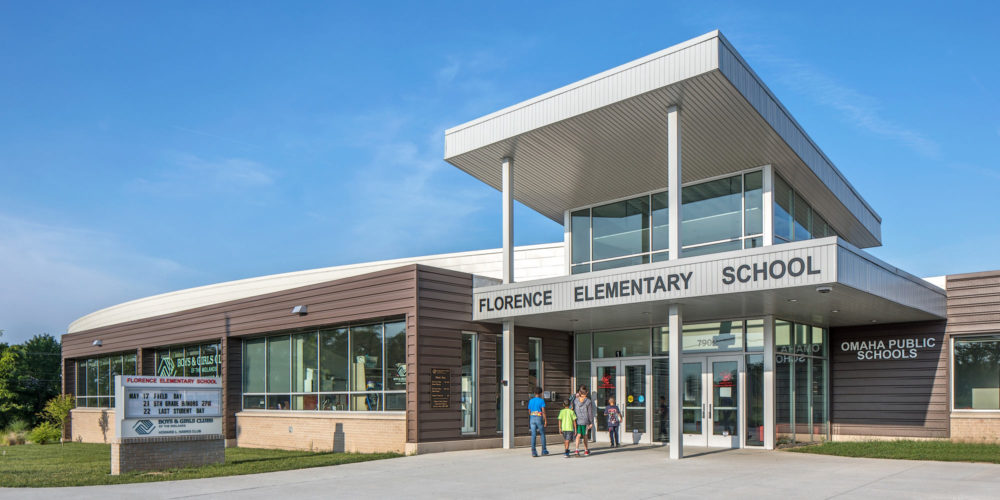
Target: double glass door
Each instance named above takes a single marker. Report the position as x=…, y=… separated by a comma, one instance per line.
x=711, y=400
x=628, y=383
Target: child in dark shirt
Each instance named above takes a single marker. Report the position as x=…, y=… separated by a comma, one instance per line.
x=614, y=415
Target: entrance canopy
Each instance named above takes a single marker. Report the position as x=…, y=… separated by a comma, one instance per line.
x=824, y=282
x=605, y=137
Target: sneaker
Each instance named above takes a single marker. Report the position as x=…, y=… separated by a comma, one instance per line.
x=567, y=453
x=545, y=452
x=534, y=455
x=577, y=452
x=586, y=453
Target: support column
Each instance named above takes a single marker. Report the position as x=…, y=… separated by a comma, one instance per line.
x=674, y=182
x=767, y=200
x=769, y=396
x=508, y=385
x=568, y=242
x=507, y=165
x=675, y=387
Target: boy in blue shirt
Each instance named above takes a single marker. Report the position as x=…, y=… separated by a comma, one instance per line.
x=538, y=421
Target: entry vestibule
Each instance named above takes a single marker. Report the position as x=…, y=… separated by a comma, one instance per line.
x=722, y=380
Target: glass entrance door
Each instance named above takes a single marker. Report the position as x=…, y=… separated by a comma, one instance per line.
x=628, y=382
x=711, y=401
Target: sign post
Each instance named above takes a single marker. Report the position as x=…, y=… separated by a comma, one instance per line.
x=167, y=422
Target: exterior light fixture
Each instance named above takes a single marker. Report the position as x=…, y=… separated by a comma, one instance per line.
x=793, y=300
x=300, y=310
x=97, y=343
x=835, y=311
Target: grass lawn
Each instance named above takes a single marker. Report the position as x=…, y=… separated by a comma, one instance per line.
x=944, y=451
x=80, y=464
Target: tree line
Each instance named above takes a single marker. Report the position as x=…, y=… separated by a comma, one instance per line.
x=30, y=375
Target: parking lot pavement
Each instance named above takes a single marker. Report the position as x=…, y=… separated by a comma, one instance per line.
x=630, y=472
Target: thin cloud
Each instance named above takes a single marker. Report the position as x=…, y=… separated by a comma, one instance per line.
x=52, y=275
x=189, y=175
x=857, y=108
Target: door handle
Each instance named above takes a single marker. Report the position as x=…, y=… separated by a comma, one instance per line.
x=703, y=410
x=710, y=409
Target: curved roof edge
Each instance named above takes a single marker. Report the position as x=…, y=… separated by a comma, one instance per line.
x=531, y=262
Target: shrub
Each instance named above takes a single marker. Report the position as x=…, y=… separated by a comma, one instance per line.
x=15, y=433
x=45, y=433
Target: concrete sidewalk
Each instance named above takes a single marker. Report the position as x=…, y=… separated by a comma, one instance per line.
x=631, y=472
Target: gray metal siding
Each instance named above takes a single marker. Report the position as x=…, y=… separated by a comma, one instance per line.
x=863, y=272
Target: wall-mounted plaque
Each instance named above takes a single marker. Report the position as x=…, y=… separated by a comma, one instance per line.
x=440, y=388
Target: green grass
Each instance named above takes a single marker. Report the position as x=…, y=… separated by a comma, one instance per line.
x=80, y=464
x=944, y=451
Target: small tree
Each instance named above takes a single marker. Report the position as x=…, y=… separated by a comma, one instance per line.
x=57, y=411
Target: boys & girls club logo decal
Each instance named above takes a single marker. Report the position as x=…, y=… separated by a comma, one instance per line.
x=143, y=427
x=166, y=367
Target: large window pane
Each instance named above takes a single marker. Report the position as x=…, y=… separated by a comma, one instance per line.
x=712, y=211
x=254, y=367
x=177, y=361
x=755, y=400
x=661, y=221
x=104, y=372
x=499, y=381
x=621, y=228
x=278, y=367
x=395, y=356
x=661, y=341
x=782, y=209
x=753, y=202
x=580, y=227
x=755, y=335
x=534, y=363
x=716, y=248
x=782, y=336
x=661, y=393
x=469, y=368
x=621, y=343
x=366, y=359
x=304, y=365
x=116, y=369
x=333, y=365
x=128, y=367
x=81, y=378
x=92, y=377
x=711, y=337
x=210, y=360
x=803, y=218
x=977, y=373
x=582, y=346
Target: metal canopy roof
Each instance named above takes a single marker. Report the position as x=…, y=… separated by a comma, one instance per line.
x=604, y=137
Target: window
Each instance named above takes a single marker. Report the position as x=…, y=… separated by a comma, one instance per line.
x=469, y=381
x=794, y=218
x=976, y=383
x=189, y=361
x=534, y=363
x=355, y=368
x=95, y=379
x=801, y=396
x=621, y=343
x=718, y=215
x=499, y=381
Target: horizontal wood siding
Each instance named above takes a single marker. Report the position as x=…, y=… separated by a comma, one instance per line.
x=973, y=303
x=557, y=373
x=898, y=398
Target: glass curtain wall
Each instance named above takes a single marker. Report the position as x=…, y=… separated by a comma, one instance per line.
x=801, y=383
x=736, y=336
x=470, y=365
x=794, y=218
x=717, y=215
x=95, y=379
x=355, y=368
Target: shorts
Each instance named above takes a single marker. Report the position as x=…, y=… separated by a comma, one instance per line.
x=569, y=435
x=581, y=429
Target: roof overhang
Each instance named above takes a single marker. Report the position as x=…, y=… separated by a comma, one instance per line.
x=825, y=282
x=604, y=137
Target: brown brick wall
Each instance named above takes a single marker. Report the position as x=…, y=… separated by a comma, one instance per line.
x=137, y=454
x=92, y=425
x=362, y=433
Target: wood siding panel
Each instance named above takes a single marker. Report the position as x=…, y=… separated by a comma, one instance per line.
x=898, y=398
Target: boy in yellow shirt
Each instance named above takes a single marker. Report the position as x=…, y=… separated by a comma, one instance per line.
x=567, y=424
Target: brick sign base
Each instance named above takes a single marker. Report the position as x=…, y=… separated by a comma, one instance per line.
x=173, y=452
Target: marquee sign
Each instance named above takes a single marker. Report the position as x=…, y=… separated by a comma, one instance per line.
x=153, y=406
x=697, y=276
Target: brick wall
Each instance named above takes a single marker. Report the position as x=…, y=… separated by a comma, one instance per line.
x=160, y=453
x=976, y=427
x=92, y=425
x=364, y=433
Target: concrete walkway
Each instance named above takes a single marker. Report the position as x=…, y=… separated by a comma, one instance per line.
x=632, y=472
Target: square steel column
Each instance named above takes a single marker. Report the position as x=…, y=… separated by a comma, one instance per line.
x=507, y=166
x=769, y=395
x=674, y=323
x=674, y=180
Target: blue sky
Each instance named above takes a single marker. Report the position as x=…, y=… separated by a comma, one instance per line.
x=147, y=147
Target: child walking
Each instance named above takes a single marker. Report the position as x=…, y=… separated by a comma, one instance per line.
x=567, y=424
x=614, y=416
